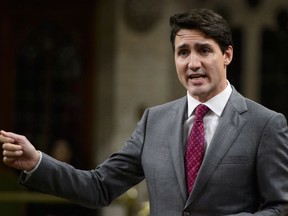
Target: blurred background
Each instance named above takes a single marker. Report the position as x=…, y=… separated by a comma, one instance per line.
x=76, y=76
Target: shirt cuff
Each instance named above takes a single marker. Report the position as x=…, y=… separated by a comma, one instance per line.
x=29, y=173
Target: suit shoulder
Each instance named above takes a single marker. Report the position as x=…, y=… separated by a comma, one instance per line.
x=175, y=104
x=162, y=111
x=259, y=111
x=243, y=104
x=257, y=106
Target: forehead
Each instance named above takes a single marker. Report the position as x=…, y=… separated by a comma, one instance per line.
x=191, y=37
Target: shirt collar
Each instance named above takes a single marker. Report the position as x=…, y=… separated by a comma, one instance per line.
x=215, y=104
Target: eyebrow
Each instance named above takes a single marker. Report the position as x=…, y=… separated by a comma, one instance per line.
x=182, y=46
x=198, y=44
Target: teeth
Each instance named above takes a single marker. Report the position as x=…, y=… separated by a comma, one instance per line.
x=195, y=76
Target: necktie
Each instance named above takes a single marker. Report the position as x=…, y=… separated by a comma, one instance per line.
x=195, y=147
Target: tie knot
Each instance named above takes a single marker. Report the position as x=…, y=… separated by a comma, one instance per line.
x=201, y=111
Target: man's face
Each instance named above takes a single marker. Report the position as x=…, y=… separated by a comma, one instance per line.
x=200, y=64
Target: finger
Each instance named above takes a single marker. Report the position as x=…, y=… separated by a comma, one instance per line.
x=8, y=160
x=13, y=136
x=6, y=139
x=11, y=147
x=12, y=154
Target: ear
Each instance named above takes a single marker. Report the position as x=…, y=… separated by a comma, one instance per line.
x=228, y=55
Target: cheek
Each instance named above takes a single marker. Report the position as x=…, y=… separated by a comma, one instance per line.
x=180, y=66
x=215, y=68
x=181, y=74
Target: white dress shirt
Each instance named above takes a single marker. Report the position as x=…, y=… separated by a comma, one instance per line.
x=211, y=119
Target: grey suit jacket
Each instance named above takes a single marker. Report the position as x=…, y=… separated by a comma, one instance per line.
x=244, y=172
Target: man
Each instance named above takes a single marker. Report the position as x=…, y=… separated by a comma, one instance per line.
x=245, y=167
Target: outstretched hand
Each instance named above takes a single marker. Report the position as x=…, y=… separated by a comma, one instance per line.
x=18, y=152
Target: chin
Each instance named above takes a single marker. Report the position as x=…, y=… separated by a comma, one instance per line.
x=198, y=90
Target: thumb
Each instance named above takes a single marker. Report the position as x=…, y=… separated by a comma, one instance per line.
x=12, y=137
x=4, y=138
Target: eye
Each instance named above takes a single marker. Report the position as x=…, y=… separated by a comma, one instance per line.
x=183, y=52
x=204, y=50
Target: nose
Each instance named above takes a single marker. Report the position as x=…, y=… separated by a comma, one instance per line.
x=194, y=62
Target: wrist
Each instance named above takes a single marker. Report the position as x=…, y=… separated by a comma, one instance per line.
x=37, y=160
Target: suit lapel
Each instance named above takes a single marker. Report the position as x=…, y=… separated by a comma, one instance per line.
x=175, y=140
x=231, y=122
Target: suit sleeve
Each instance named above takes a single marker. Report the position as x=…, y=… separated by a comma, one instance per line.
x=92, y=188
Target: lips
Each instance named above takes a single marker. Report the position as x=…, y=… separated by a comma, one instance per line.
x=196, y=76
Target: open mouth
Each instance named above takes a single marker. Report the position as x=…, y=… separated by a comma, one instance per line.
x=196, y=76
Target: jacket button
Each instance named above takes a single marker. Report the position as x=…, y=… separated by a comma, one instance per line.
x=186, y=213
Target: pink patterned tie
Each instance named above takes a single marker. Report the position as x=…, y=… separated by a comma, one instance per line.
x=195, y=147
